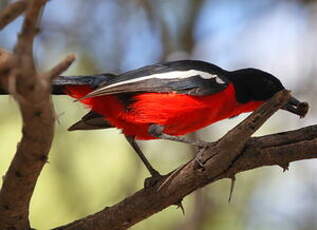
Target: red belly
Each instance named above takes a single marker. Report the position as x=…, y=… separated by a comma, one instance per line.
x=179, y=114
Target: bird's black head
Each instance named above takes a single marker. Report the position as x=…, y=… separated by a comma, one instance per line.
x=257, y=85
x=254, y=85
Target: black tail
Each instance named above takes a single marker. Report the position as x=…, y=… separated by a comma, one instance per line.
x=60, y=82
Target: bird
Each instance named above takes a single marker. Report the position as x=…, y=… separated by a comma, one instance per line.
x=168, y=100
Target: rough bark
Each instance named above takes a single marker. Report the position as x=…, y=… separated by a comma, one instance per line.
x=32, y=91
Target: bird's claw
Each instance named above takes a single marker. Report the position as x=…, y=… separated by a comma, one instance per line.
x=199, y=159
x=152, y=181
x=199, y=162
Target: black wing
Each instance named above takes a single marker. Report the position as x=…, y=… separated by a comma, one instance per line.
x=184, y=77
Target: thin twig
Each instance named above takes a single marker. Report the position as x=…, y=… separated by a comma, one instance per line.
x=11, y=12
x=60, y=67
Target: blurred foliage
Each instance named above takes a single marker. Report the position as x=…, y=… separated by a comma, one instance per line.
x=90, y=170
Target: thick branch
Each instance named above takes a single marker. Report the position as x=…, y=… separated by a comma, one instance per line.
x=38, y=125
x=222, y=159
x=276, y=149
x=32, y=92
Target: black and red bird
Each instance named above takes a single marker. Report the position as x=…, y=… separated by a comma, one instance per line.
x=168, y=100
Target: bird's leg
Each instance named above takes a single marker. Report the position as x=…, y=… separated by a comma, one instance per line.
x=155, y=175
x=157, y=131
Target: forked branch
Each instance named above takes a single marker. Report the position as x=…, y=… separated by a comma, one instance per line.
x=32, y=93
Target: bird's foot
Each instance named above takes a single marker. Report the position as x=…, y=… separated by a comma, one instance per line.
x=199, y=162
x=152, y=181
x=199, y=159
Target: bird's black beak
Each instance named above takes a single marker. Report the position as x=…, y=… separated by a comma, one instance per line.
x=296, y=107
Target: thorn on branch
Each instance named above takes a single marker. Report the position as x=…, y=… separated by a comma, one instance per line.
x=179, y=204
x=284, y=166
x=233, y=181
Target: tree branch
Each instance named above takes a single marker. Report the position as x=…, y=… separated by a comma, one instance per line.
x=11, y=12
x=32, y=92
x=276, y=149
x=235, y=152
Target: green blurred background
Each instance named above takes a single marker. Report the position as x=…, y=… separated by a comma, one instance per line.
x=90, y=170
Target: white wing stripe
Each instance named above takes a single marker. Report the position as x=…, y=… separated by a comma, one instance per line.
x=170, y=75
